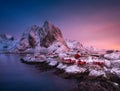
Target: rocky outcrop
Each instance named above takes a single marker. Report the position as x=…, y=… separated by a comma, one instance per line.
x=49, y=34
x=113, y=56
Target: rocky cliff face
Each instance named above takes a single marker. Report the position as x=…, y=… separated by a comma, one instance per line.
x=49, y=34
x=42, y=37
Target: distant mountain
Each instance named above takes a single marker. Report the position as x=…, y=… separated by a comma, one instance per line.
x=7, y=42
x=48, y=36
x=6, y=37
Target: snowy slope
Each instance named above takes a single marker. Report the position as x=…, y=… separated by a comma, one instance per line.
x=75, y=45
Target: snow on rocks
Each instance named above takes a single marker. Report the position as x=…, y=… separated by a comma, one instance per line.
x=51, y=61
x=29, y=59
x=116, y=71
x=107, y=63
x=74, y=69
x=97, y=73
x=115, y=63
x=61, y=66
x=113, y=56
x=34, y=59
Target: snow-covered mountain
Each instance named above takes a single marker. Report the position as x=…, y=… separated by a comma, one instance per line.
x=7, y=42
x=36, y=38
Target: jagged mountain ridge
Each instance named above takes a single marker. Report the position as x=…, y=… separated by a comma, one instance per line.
x=45, y=36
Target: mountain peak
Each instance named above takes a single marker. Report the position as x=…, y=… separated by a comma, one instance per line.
x=47, y=22
x=45, y=36
x=47, y=25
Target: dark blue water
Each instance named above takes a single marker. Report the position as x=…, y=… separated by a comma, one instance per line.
x=17, y=76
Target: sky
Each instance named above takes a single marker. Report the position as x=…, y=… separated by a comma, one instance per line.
x=91, y=22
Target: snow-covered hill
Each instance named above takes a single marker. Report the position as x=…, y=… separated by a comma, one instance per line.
x=7, y=42
x=74, y=45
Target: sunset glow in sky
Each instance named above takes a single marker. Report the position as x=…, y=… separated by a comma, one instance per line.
x=92, y=22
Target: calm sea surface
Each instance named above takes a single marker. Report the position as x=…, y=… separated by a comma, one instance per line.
x=17, y=76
